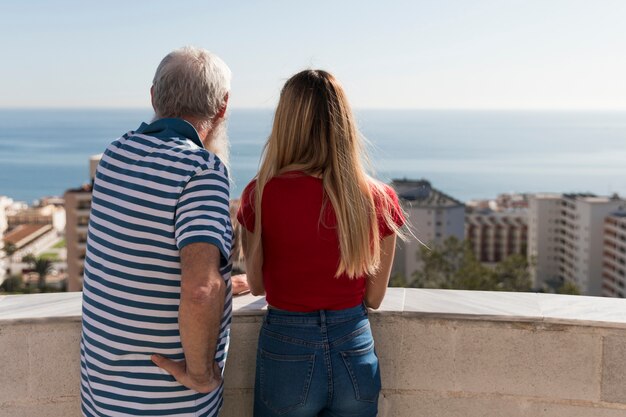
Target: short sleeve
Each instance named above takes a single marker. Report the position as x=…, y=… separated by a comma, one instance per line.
x=395, y=212
x=245, y=214
x=202, y=213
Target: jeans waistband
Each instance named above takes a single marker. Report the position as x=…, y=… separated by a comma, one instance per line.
x=316, y=317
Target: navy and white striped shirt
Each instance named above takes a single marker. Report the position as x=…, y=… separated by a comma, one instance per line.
x=156, y=190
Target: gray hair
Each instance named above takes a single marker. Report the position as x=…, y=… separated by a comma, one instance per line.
x=190, y=82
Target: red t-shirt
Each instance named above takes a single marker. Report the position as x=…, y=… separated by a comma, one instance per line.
x=301, y=253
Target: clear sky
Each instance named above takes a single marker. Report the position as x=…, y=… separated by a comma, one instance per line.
x=471, y=54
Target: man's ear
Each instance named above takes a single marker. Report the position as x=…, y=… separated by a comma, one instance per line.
x=152, y=97
x=220, y=114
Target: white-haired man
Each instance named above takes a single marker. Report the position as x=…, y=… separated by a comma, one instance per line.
x=157, y=288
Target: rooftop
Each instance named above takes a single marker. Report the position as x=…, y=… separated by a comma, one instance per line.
x=25, y=233
x=591, y=198
x=85, y=188
x=619, y=214
x=420, y=193
x=547, y=196
x=442, y=353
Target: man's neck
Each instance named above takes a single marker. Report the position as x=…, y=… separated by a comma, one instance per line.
x=201, y=129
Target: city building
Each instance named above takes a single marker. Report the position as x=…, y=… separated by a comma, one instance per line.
x=432, y=215
x=495, y=235
x=501, y=203
x=48, y=214
x=77, y=207
x=5, y=202
x=24, y=235
x=565, y=239
x=614, y=256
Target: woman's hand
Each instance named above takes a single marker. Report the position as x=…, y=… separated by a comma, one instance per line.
x=240, y=284
x=204, y=383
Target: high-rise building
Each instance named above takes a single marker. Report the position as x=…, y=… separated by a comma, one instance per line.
x=433, y=217
x=77, y=208
x=565, y=239
x=543, y=227
x=495, y=235
x=614, y=256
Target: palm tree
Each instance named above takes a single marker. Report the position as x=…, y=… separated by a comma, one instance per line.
x=43, y=267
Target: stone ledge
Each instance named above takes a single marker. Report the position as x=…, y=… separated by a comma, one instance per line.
x=446, y=304
x=442, y=353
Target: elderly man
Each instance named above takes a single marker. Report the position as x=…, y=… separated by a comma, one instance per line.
x=157, y=287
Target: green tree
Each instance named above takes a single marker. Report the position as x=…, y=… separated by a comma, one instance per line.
x=568, y=288
x=397, y=280
x=29, y=258
x=12, y=284
x=512, y=274
x=452, y=265
x=9, y=248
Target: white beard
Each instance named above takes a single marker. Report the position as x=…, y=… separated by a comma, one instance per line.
x=218, y=143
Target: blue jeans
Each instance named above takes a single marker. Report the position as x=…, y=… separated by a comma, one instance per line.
x=316, y=364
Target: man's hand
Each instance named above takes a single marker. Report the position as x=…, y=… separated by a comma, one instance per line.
x=206, y=383
x=240, y=284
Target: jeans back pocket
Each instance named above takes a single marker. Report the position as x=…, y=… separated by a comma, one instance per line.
x=362, y=366
x=284, y=380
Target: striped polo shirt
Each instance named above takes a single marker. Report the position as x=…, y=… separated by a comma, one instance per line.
x=156, y=190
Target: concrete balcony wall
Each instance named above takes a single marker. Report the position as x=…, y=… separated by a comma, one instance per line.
x=442, y=353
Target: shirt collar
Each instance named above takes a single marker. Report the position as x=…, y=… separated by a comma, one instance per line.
x=171, y=127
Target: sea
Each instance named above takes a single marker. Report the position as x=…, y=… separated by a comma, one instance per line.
x=466, y=154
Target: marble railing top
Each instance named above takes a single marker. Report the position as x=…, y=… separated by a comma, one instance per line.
x=468, y=305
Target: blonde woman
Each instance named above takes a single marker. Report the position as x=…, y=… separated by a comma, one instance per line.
x=319, y=237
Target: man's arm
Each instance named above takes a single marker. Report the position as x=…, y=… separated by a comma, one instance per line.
x=201, y=307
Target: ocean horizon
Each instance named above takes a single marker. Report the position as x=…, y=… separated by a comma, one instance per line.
x=467, y=154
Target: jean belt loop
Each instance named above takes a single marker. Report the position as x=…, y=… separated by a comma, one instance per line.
x=323, y=317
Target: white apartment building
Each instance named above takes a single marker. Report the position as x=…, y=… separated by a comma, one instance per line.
x=614, y=256
x=77, y=208
x=565, y=239
x=433, y=217
x=495, y=235
x=543, y=227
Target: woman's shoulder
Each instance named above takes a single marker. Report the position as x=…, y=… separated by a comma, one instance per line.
x=388, y=209
x=382, y=192
x=247, y=195
x=249, y=189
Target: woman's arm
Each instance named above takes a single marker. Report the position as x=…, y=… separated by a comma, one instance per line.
x=377, y=284
x=254, y=263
